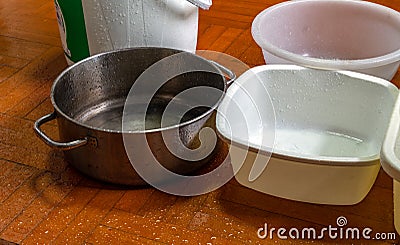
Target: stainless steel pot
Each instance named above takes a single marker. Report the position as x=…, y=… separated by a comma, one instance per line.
x=89, y=99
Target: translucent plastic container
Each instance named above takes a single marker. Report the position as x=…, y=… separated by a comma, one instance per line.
x=331, y=34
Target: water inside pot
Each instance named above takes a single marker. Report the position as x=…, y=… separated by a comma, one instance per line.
x=108, y=115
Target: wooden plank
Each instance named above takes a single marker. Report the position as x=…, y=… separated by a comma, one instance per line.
x=23, y=197
x=20, y=48
x=202, y=29
x=13, y=62
x=12, y=8
x=225, y=16
x=384, y=180
x=367, y=215
x=134, y=200
x=225, y=39
x=42, y=70
x=6, y=72
x=253, y=56
x=27, y=139
x=33, y=100
x=246, y=8
x=44, y=108
x=36, y=24
x=12, y=178
x=86, y=221
x=33, y=21
x=36, y=212
x=238, y=224
x=157, y=206
x=155, y=230
x=31, y=36
x=396, y=79
x=239, y=45
x=209, y=36
x=106, y=235
x=231, y=22
x=51, y=161
x=184, y=209
x=63, y=214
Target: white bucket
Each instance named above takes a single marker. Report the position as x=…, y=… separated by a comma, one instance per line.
x=114, y=24
x=71, y=24
x=390, y=159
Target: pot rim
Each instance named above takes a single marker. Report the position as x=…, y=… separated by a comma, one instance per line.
x=193, y=120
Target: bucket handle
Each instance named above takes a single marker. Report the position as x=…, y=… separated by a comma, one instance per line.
x=230, y=74
x=46, y=139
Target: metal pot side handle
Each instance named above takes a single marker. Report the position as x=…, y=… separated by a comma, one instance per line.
x=58, y=145
x=230, y=74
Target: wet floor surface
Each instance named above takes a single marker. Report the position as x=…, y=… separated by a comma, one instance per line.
x=43, y=200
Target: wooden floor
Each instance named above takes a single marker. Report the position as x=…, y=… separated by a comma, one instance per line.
x=43, y=200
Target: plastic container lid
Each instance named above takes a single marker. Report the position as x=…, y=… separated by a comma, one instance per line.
x=390, y=154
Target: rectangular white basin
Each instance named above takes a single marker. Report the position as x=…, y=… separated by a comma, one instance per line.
x=304, y=134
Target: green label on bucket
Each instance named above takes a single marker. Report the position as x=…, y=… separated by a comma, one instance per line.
x=71, y=23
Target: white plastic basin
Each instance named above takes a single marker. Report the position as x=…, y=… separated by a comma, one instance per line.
x=331, y=34
x=329, y=128
x=390, y=159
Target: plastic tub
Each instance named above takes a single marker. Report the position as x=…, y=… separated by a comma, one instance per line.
x=331, y=34
x=329, y=128
x=390, y=159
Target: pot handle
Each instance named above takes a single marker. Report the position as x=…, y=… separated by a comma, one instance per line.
x=58, y=145
x=230, y=74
